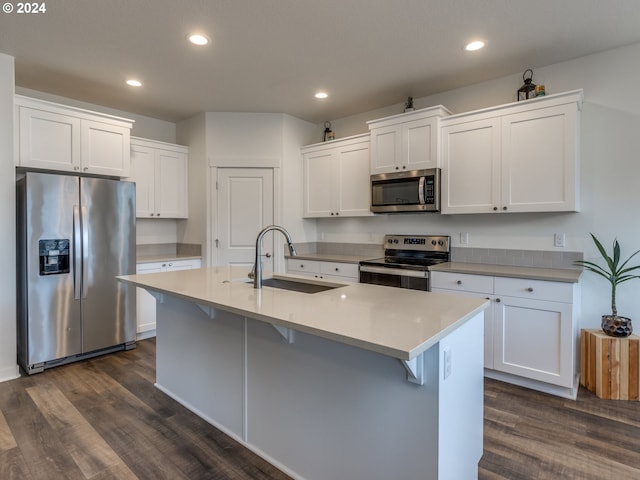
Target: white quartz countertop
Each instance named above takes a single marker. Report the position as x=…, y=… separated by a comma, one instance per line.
x=397, y=322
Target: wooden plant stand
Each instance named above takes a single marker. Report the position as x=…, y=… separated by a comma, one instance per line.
x=610, y=366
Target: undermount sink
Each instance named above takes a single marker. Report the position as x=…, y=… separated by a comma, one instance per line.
x=297, y=286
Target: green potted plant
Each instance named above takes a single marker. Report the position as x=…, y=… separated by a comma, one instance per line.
x=616, y=273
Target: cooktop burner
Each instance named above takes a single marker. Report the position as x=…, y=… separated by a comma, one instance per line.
x=414, y=252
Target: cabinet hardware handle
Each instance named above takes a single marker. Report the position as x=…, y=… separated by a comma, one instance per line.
x=86, y=169
x=301, y=265
x=337, y=269
x=157, y=214
x=332, y=213
x=397, y=168
x=151, y=214
x=495, y=209
x=459, y=282
x=529, y=289
x=337, y=213
x=76, y=168
x=404, y=167
x=504, y=208
x=487, y=298
x=498, y=300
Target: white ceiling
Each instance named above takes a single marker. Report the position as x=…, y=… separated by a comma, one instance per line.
x=273, y=55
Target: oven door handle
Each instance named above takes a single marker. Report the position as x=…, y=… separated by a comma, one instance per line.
x=394, y=271
x=421, y=196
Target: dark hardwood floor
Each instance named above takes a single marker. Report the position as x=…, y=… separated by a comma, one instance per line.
x=103, y=419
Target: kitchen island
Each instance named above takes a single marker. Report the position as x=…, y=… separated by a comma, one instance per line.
x=358, y=381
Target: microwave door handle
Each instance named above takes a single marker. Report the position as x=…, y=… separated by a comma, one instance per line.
x=421, y=194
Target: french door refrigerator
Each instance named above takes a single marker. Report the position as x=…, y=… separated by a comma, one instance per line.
x=74, y=234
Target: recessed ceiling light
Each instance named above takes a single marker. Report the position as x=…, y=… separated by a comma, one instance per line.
x=134, y=83
x=198, y=39
x=475, y=45
x=321, y=95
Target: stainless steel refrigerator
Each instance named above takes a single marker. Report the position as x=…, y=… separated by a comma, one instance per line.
x=74, y=234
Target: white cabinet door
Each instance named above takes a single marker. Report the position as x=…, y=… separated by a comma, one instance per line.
x=408, y=141
x=336, y=178
x=488, y=321
x=160, y=172
x=419, y=144
x=386, y=149
x=479, y=286
x=142, y=173
x=521, y=157
x=105, y=149
x=471, y=167
x=539, y=160
x=48, y=140
x=171, y=184
x=61, y=138
x=146, y=303
x=533, y=339
x=354, y=186
x=319, y=176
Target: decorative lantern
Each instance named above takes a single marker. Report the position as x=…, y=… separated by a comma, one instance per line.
x=527, y=90
x=328, y=134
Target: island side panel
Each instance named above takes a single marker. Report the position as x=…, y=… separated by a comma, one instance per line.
x=462, y=400
x=329, y=410
x=200, y=362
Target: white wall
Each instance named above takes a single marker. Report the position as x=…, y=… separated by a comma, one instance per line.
x=8, y=352
x=193, y=132
x=230, y=139
x=610, y=173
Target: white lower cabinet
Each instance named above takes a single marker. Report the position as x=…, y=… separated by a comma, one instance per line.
x=146, y=303
x=530, y=329
x=324, y=270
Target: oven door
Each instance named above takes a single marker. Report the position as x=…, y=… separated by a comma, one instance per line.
x=395, y=277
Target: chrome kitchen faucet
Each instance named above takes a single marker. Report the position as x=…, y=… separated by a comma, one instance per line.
x=256, y=271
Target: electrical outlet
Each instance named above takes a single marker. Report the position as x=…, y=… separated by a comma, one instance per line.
x=464, y=238
x=558, y=239
x=447, y=362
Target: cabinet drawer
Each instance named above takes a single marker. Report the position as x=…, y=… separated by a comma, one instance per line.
x=462, y=281
x=534, y=289
x=339, y=269
x=153, y=267
x=302, y=266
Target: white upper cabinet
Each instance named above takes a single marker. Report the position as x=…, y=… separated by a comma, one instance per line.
x=61, y=138
x=160, y=172
x=522, y=157
x=336, y=178
x=408, y=141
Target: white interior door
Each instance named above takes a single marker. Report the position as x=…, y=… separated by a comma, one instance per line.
x=244, y=200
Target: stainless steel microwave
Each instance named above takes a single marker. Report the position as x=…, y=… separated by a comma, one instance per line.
x=406, y=191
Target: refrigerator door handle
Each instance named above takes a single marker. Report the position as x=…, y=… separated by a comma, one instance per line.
x=77, y=252
x=85, y=252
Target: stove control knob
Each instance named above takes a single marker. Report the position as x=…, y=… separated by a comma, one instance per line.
x=433, y=242
x=395, y=240
x=441, y=242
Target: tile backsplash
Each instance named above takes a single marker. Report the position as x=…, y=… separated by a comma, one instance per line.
x=520, y=258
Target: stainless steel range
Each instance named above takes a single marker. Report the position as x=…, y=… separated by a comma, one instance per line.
x=406, y=261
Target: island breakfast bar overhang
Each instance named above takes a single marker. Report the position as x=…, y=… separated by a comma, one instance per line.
x=324, y=394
